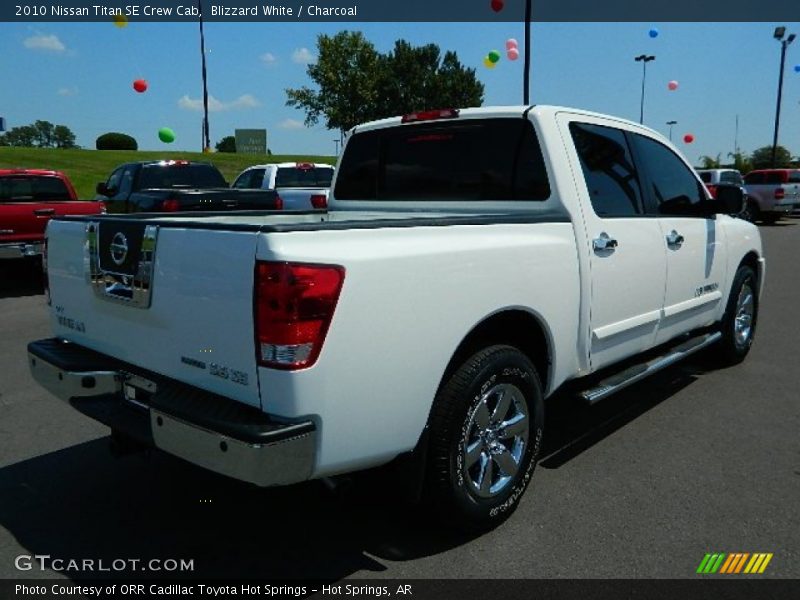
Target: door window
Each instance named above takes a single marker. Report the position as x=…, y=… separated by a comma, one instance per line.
x=672, y=187
x=754, y=178
x=112, y=185
x=608, y=169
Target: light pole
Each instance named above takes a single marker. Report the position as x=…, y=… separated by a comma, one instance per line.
x=527, y=67
x=336, y=141
x=644, y=59
x=671, y=123
x=206, y=138
x=778, y=35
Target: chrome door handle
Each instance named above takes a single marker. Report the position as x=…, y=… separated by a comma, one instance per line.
x=674, y=239
x=40, y=212
x=604, y=242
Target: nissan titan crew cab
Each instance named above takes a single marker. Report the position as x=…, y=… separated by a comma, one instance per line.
x=469, y=264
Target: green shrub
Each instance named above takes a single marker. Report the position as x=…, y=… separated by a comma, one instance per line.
x=116, y=141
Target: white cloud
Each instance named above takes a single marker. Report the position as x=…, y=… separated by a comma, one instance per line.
x=303, y=56
x=290, y=124
x=49, y=43
x=68, y=91
x=242, y=102
x=269, y=59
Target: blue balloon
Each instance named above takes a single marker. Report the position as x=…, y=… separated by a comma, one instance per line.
x=653, y=33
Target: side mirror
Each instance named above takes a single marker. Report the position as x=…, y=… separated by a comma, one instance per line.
x=729, y=200
x=101, y=188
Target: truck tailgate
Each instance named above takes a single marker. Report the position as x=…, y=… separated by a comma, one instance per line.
x=173, y=299
x=24, y=221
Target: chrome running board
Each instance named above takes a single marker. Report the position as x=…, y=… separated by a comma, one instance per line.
x=634, y=373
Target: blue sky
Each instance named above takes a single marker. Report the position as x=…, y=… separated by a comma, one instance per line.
x=80, y=75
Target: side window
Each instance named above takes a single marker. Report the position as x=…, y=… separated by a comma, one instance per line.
x=242, y=181
x=114, y=181
x=126, y=182
x=672, y=186
x=608, y=170
x=256, y=178
x=794, y=177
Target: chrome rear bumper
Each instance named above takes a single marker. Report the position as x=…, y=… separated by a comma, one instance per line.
x=205, y=429
x=20, y=250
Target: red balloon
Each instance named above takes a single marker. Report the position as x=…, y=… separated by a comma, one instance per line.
x=140, y=85
x=688, y=138
x=497, y=5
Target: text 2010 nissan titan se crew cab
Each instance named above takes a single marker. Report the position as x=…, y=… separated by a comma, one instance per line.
x=470, y=263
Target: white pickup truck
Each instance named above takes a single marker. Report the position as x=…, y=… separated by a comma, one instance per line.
x=301, y=185
x=470, y=263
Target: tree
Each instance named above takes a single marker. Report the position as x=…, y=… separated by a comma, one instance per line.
x=741, y=162
x=226, y=144
x=63, y=137
x=116, y=141
x=356, y=83
x=762, y=158
x=44, y=133
x=22, y=136
x=710, y=163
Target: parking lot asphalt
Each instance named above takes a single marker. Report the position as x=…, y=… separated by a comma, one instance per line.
x=642, y=485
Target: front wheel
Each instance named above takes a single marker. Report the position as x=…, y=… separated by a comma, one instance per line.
x=741, y=316
x=750, y=211
x=485, y=432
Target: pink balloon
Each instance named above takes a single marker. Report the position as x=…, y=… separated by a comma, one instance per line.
x=511, y=43
x=688, y=138
x=513, y=54
x=672, y=85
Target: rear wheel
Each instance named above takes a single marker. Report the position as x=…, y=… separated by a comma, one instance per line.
x=485, y=433
x=741, y=316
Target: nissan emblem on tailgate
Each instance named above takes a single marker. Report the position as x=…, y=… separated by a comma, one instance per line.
x=119, y=248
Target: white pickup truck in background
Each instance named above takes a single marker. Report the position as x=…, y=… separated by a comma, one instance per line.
x=470, y=263
x=301, y=186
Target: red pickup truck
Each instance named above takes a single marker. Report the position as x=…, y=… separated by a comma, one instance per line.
x=28, y=199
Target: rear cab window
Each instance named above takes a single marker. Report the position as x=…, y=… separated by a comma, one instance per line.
x=33, y=188
x=470, y=159
x=303, y=175
x=733, y=177
x=180, y=175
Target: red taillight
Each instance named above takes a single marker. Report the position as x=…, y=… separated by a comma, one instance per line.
x=430, y=115
x=780, y=193
x=170, y=205
x=304, y=166
x=319, y=201
x=712, y=189
x=278, y=203
x=294, y=305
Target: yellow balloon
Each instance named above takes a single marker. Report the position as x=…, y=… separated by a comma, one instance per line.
x=120, y=21
x=488, y=64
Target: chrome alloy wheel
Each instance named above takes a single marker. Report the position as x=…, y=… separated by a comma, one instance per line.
x=496, y=440
x=743, y=322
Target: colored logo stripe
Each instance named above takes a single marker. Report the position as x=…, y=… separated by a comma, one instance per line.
x=734, y=563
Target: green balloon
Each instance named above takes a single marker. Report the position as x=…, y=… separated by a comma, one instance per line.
x=494, y=56
x=166, y=135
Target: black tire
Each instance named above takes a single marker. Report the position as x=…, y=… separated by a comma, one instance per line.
x=750, y=211
x=735, y=342
x=455, y=425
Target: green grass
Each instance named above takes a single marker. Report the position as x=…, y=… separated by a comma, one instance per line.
x=86, y=167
